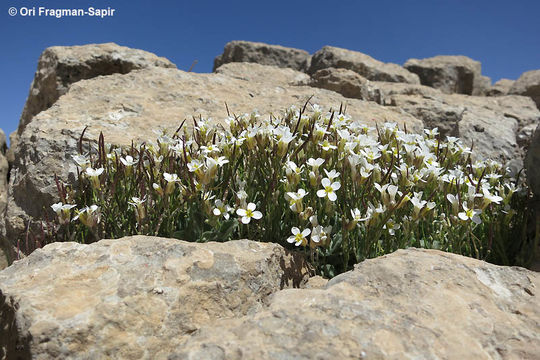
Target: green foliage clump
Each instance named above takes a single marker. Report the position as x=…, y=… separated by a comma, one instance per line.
x=321, y=182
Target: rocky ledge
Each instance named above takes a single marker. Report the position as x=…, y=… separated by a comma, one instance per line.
x=154, y=298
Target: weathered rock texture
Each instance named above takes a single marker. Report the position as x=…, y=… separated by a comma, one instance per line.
x=155, y=298
x=532, y=163
x=528, y=84
x=264, y=54
x=60, y=66
x=500, y=88
x=472, y=118
x=450, y=74
x=135, y=297
x=129, y=106
x=360, y=63
x=412, y=304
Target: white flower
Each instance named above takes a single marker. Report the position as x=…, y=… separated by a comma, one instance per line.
x=418, y=203
x=295, y=199
x=128, y=161
x=94, y=172
x=222, y=209
x=89, y=216
x=247, y=214
x=320, y=235
x=222, y=160
x=299, y=237
x=470, y=214
x=357, y=215
x=491, y=198
x=135, y=201
x=171, y=180
x=332, y=174
x=454, y=201
x=82, y=161
x=63, y=211
x=391, y=226
x=58, y=207
x=210, y=149
x=171, y=177
x=195, y=165
x=315, y=163
x=327, y=146
x=158, y=188
x=329, y=189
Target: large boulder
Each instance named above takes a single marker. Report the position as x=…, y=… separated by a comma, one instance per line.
x=346, y=82
x=60, y=66
x=264, y=54
x=528, y=84
x=363, y=64
x=135, y=297
x=129, y=106
x=450, y=74
x=500, y=88
x=532, y=163
x=412, y=304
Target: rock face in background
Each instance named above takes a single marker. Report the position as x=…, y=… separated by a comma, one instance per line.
x=500, y=88
x=264, y=54
x=528, y=84
x=60, y=66
x=135, y=297
x=343, y=81
x=450, y=74
x=363, y=64
x=141, y=101
x=532, y=163
x=470, y=117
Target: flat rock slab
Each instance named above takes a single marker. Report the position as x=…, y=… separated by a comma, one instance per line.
x=132, y=298
x=412, y=304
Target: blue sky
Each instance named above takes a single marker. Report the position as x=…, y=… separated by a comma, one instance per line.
x=503, y=35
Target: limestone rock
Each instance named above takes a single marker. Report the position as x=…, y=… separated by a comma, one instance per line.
x=343, y=81
x=135, y=297
x=450, y=74
x=500, y=88
x=481, y=85
x=494, y=124
x=360, y=63
x=61, y=66
x=129, y=106
x=264, y=54
x=260, y=74
x=412, y=304
x=528, y=84
x=532, y=163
